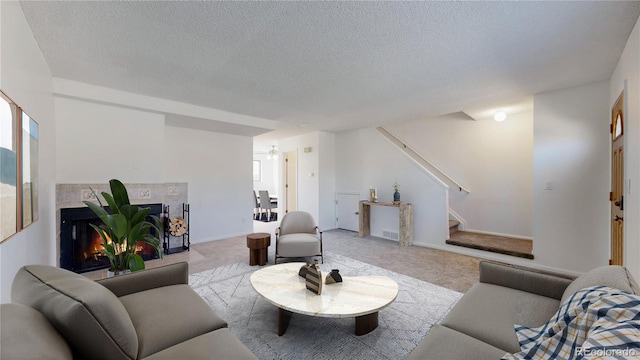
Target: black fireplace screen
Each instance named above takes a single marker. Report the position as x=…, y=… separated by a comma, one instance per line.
x=80, y=245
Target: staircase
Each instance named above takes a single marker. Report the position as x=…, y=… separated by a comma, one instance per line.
x=453, y=226
x=492, y=243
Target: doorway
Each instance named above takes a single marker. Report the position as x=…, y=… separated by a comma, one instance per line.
x=616, y=196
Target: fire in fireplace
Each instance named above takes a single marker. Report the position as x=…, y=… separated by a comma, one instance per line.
x=80, y=245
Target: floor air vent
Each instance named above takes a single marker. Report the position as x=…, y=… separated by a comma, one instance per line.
x=391, y=235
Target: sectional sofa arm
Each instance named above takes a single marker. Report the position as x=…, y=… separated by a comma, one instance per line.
x=174, y=274
x=529, y=280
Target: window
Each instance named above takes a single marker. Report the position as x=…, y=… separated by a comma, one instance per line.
x=29, y=170
x=19, y=138
x=257, y=170
x=617, y=126
x=8, y=168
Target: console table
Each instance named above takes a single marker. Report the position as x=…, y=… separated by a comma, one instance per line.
x=405, y=236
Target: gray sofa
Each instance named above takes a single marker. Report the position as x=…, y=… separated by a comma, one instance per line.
x=151, y=314
x=481, y=325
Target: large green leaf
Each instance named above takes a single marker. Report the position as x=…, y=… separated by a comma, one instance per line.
x=135, y=262
x=137, y=231
x=119, y=225
x=112, y=203
x=119, y=192
x=98, y=210
x=140, y=215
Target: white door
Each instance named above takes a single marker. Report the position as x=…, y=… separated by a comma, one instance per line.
x=347, y=206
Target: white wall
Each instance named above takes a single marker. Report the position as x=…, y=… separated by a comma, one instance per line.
x=327, y=179
x=571, y=150
x=96, y=143
x=26, y=79
x=628, y=73
x=218, y=169
x=365, y=158
x=494, y=160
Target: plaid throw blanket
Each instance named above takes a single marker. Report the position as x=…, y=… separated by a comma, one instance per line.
x=595, y=323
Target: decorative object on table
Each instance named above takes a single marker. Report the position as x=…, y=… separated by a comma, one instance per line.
x=314, y=278
x=304, y=269
x=333, y=277
x=123, y=231
x=372, y=194
x=396, y=193
x=177, y=226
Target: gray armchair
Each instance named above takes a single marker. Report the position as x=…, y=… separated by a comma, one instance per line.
x=298, y=236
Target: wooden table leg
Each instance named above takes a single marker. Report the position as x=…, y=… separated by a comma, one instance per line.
x=284, y=316
x=366, y=323
x=253, y=257
x=262, y=257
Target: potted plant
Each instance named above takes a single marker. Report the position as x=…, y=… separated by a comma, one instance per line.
x=124, y=228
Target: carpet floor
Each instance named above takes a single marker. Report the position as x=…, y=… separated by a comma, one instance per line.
x=253, y=320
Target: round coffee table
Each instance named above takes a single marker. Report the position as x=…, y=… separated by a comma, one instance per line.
x=360, y=297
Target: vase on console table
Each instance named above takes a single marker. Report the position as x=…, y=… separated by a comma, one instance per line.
x=396, y=193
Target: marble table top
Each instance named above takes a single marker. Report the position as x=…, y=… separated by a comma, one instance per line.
x=354, y=296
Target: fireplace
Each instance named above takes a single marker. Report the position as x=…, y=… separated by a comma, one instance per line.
x=80, y=245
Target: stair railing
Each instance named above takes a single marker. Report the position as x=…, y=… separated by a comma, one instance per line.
x=430, y=168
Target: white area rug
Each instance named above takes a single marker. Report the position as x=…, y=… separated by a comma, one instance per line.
x=253, y=320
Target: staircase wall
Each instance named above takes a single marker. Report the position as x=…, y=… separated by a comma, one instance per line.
x=364, y=158
x=494, y=160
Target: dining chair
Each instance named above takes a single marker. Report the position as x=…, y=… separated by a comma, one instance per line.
x=266, y=207
x=256, y=208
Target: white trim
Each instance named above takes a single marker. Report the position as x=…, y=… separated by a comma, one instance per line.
x=463, y=223
x=501, y=234
x=498, y=257
x=447, y=209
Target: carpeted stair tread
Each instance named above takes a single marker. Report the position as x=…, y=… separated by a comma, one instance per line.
x=453, y=226
x=492, y=243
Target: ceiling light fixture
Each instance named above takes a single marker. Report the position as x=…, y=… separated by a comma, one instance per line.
x=273, y=153
x=500, y=116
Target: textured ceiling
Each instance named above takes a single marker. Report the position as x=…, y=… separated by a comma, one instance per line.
x=333, y=66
